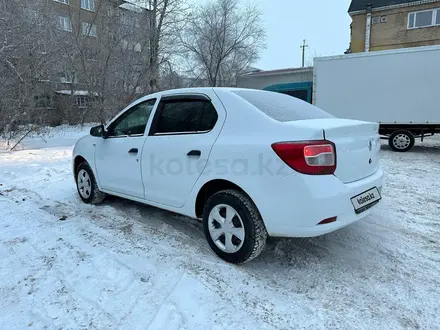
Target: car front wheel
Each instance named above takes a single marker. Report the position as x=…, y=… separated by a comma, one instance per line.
x=86, y=185
x=233, y=226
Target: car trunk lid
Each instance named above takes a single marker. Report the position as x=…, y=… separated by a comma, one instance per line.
x=357, y=146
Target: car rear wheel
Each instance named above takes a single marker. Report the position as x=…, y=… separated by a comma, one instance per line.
x=86, y=185
x=401, y=140
x=233, y=226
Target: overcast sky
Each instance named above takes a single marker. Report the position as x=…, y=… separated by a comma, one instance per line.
x=325, y=24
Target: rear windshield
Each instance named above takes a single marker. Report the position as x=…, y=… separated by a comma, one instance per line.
x=282, y=107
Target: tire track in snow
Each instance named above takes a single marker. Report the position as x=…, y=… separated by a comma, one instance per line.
x=181, y=257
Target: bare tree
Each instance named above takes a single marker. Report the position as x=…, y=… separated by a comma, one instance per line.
x=167, y=19
x=222, y=40
x=80, y=65
x=106, y=56
x=134, y=47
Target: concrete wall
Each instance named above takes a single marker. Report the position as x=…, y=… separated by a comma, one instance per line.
x=262, y=80
x=394, y=33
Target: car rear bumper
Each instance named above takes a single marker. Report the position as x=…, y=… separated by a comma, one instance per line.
x=295, y=205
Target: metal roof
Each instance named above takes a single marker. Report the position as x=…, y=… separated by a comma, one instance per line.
x=359, y=5
x=279, y=71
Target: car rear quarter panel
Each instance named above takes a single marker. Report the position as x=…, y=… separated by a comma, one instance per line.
x=243, y=154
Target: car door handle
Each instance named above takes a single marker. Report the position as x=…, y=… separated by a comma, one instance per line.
x=195, y=153
x=133, y=151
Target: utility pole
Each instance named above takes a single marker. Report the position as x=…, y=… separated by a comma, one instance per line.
x=304, y=46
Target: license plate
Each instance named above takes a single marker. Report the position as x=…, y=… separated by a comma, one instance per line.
x=364, y=201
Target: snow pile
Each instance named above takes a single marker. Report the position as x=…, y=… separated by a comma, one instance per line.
x=47, y=137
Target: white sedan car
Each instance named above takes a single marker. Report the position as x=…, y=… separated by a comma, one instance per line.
x=249, y=163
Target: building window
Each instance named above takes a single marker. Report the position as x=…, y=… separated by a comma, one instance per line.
x=424, y=18
x=88, y=5
x=91, y=54
x=63, y=23
x=112, y=11
x=126, y=45
x=375, y=20
x=42, y=75
x=81, y=101
x=128, y=20
x=43, y=101
x=94, y=79
x=67, y=77
x=31, y=14
x=383, y=19
x=66, y=2
x=89, y=30
x=42, y=46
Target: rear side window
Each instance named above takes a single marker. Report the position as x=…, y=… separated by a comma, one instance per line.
x=209, y=117
x=282, y=107
x=186, y=116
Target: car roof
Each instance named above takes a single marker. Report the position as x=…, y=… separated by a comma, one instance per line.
x=194, y=90
x=198, y=90
x=202, y=89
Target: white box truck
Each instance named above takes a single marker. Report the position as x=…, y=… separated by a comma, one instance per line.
x=400, y=89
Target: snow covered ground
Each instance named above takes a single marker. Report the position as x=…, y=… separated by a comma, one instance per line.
x=123, y=265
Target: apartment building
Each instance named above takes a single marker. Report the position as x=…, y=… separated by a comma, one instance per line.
x=95, y=51
x=392, y=24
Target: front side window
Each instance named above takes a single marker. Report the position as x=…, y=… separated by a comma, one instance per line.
x=186, y=116
x=88, y=5
x=62, y=1
x=424, y=18
x=133, y=121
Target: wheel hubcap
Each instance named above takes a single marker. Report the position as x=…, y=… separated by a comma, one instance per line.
x=226, y=228
x=84, y=184
x=401, y=141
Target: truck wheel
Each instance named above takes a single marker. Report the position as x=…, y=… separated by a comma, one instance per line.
x=401, y=141
x=233, y=226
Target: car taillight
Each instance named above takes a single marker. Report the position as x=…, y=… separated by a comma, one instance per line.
x=308, y=157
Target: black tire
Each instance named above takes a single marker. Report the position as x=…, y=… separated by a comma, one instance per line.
x=255, y=233
x=402, y=134
x=96, y=196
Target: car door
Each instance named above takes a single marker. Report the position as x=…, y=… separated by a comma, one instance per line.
x=118, y=157
x=180, y=140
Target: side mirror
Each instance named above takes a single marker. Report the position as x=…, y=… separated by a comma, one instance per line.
x=98, y=131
